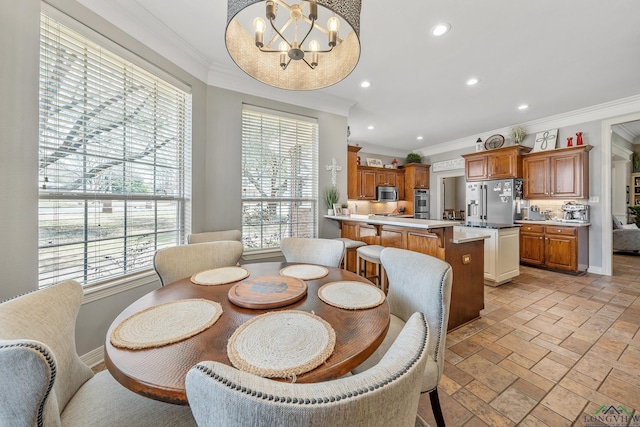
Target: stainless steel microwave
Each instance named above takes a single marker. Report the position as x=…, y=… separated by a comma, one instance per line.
x=387, y=194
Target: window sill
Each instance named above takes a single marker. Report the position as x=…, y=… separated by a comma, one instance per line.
x=122, y=284
x=261, y=254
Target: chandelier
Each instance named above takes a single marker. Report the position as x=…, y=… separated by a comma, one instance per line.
x=284, y=47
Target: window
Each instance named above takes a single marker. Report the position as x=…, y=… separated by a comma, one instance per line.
x=279, y=177
x=114, y=161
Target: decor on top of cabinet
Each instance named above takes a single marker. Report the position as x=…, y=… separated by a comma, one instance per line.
x=331, y=196
x=579, y=138
x=374, y=162
x=545, y=140
x=517, y=134
x=494, y=141
x=413, y=158
x=570, y=141
x=479, y=146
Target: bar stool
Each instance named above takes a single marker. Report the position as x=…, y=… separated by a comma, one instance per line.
x=350, y=247
x=371, y=253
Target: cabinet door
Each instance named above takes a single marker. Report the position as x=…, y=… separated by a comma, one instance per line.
x=503, y=165
x=400, y=184
x=367, y=185
x=422, y=177
x=536, y=179
x=475, y=168
x=566, y=175
x=386, y=178
x=532, y=248
x=561, y=252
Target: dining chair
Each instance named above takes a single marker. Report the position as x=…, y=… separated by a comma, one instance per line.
x=215, y=236
x=178, y=262
x=418, y=282
x=327, y=252
x=385, y=395
x=44, y=382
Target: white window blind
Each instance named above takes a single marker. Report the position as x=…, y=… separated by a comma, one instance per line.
x=114, y=161
x=279, y=177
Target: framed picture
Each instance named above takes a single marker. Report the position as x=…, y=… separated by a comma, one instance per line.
x=337, y=209
x=374, y=162
x=545, y=140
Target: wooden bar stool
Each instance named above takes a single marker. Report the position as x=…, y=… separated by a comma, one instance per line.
x=371, y=253
x=349, y=258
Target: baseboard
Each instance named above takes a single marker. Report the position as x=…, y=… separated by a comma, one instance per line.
x=94, y=357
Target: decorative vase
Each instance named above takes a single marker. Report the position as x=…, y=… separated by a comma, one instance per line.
x=330, y=212
x=570, y=141
x=578, y=138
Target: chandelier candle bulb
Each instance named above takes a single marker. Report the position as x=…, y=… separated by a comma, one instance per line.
x=333, y=24
x=314, y=46
x=313, y=10
x=259, y=25
x=271, y=10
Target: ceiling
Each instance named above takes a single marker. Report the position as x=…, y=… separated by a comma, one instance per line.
x=555, y=56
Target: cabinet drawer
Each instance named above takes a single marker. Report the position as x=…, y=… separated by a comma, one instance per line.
x=565, y=231
x=533, y=228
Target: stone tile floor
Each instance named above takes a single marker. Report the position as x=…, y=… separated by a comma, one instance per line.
x=549, y=350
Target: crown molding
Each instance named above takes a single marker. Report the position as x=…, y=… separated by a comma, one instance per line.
x=138, y=23
x=597, y=112
x=231, y=78
x=623, y=131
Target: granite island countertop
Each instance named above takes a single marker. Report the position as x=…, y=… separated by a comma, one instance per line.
x=554, y=223
x=396, y=221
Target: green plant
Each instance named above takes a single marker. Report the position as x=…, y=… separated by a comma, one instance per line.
x=517, y=134
x=331, y=196
x=635, y=210
x=345, y=205
x=413, y=158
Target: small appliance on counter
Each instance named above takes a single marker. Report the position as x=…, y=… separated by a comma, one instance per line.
x=535, y=214
x=421, y=203
x=574, y=212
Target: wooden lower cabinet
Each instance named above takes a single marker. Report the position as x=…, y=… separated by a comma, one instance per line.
x=466, y=260
x=555, y=247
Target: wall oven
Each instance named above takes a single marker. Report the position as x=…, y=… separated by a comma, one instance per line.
x=421, y=202
x=387, y=194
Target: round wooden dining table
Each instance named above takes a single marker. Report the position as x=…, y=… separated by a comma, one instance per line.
x=159, y=373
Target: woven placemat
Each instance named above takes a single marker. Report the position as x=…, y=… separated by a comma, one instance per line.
x=165, y=324
x=281, y=344
x=305, y=271
x=351, y=295
x=220, y=276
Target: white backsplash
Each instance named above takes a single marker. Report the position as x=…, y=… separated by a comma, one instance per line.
x=555, y=206
x=365, y=207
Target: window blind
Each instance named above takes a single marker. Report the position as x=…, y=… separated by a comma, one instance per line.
x=114, y=159
x=279, y=177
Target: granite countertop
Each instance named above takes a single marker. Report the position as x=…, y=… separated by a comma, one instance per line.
x=493, y=225
x=463, y=237
x=395, y=221
x=554, y=223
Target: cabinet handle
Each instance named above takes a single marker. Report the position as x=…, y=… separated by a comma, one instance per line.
x=540, y=237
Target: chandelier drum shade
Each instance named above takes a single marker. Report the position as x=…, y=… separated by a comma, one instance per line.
x=288, y=46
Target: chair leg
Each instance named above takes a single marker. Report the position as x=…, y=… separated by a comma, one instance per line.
x=435, y=407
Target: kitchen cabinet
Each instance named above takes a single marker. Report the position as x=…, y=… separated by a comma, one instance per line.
x=393, y=178
x=416, y=175
x=557, y=174
x=555, y=247
x=501, y=250
x=367, y=181
x=353, y=185
x=500, y=163
x=363, y=180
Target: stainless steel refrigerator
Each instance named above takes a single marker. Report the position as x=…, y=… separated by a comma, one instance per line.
x=498, y=201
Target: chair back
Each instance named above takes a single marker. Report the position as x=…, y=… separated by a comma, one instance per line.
x=385, y=395
x=215, y=236
x=37, y=343
x=178, y=262
x=419, y=282
x=325, y=252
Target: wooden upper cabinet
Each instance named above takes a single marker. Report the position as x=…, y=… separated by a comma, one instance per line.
x=416, y=175
x=500, y=163
x=353, y=185
x=363, y=180
x=367, y=181
x=561, y=173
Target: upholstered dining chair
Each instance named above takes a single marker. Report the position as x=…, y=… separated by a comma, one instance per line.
x=418, y=282
x=327, y=252
x=43, y=381
x=385, y=395
x=215, y=236
x=177, y=262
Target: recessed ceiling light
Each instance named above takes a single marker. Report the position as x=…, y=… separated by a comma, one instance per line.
x=440, y=29
x=523, y=107
x=370, y=127
x=365, y=84
x=473, y=81
x=419, y=138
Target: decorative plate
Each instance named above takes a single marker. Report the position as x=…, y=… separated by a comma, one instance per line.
x=494, y=141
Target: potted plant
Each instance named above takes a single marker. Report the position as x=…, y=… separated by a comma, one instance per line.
x=413, y=158
x=517, y=134
x=331, y=196
x=635, y=211
x=345, y=209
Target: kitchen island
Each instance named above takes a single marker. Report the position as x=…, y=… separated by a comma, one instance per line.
x=463, y=251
